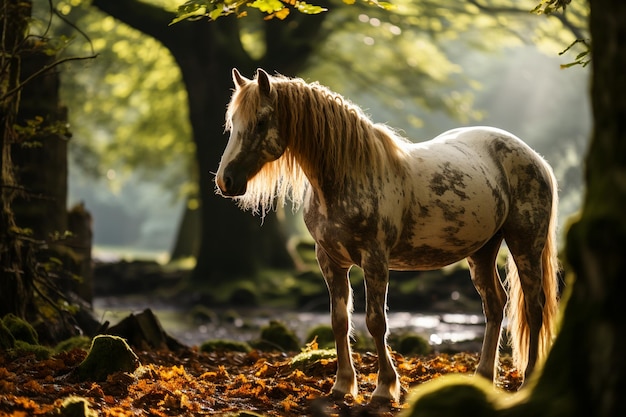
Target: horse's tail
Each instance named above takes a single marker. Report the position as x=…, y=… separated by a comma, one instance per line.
x=519, y=331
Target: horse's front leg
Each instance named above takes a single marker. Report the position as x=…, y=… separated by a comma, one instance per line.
x=340, y=292
x=375, y=269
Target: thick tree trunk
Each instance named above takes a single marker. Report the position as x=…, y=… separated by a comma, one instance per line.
x=15, y=281
x=585, y=373
x=232, y=243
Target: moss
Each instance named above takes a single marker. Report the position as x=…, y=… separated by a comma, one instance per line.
x=277, y=336
x=76, y=342
x=22, y=348
x=223, y=345
x=7, y=341
x=324, y=336
x=75, y=407
x=410, y=344
x=108, y=354
x=452, y=396
x=307, y=358
x=20, y=329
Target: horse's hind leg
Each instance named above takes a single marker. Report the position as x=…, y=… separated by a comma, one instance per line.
x=486, y=279
x=338, y=283
x=526, y=253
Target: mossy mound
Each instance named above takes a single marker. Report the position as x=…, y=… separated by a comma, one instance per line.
x=107, y=355
x=224, y=345
x=75, y=407
x=452, y=396
x=20, y=329
x=7, y=341
x=410, y=344
x=276, y=336
x=76, y=342
x=22, y=348
x=323, y=335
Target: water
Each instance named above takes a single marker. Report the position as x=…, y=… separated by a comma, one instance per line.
x=440, y=329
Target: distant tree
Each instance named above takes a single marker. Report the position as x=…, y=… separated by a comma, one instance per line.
x=207, y=50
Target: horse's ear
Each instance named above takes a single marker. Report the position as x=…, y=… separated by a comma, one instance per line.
x=239, y=79
x=264, y=82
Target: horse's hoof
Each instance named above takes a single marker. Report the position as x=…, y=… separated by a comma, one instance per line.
x=379, y=401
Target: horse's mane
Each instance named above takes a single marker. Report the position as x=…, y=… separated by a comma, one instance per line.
x=328, y=138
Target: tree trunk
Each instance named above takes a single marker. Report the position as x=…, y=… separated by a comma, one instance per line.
x=588, y=359
x=585, y=373
x=232, y=243
x=15, y=282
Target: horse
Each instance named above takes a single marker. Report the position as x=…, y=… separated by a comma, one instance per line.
x=374, y=199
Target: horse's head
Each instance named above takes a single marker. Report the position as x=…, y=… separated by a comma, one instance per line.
x=254, y=139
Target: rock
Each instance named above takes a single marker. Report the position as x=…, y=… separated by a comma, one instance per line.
x=76, y=407
x=144, y=331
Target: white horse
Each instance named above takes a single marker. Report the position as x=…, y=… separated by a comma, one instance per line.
x=376, y=200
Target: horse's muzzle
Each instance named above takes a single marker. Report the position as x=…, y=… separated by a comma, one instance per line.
x=229, y=185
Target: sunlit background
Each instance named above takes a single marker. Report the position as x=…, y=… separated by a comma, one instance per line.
x=131, y=152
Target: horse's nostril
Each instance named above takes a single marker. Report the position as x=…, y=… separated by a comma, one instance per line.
x=228, y=182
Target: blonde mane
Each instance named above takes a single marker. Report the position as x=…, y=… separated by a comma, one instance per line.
x=329, y=139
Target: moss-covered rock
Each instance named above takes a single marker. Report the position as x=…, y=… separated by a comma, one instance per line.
x=20, y=329
x=108, y=354
x=452, y=396
x=7, y=341
x=224, y=345
x=323, y=335
x=410, y=344
x=276, y=336
x=76, y=407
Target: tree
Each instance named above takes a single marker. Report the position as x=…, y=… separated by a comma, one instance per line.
x=585, y=373
x=206, y=51
x=16, y=284
x=36, y=264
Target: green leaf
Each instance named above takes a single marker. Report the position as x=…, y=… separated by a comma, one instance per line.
x=214, y=14
x=306, y=8
x=267, y=6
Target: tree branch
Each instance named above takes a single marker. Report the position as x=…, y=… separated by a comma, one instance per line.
x=43, y=70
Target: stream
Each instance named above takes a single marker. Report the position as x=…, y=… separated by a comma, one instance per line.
x=444, y=331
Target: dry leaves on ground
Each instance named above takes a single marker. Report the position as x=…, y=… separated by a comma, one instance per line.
x=190, y=383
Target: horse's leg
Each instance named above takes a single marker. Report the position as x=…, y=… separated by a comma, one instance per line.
x=338, y=283
x=375, y=269
x=526, y=253
x=486, y=279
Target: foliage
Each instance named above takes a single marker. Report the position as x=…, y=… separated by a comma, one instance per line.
x=213, y=9
x=135, y=119
x=226, y=383
x=128, y=107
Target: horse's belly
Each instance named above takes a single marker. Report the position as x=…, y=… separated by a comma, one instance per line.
x=428, y=256
x=440, y=242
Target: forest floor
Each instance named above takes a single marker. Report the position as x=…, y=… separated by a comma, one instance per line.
x=192, y=383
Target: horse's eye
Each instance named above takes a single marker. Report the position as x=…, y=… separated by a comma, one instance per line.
x=261, y=124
